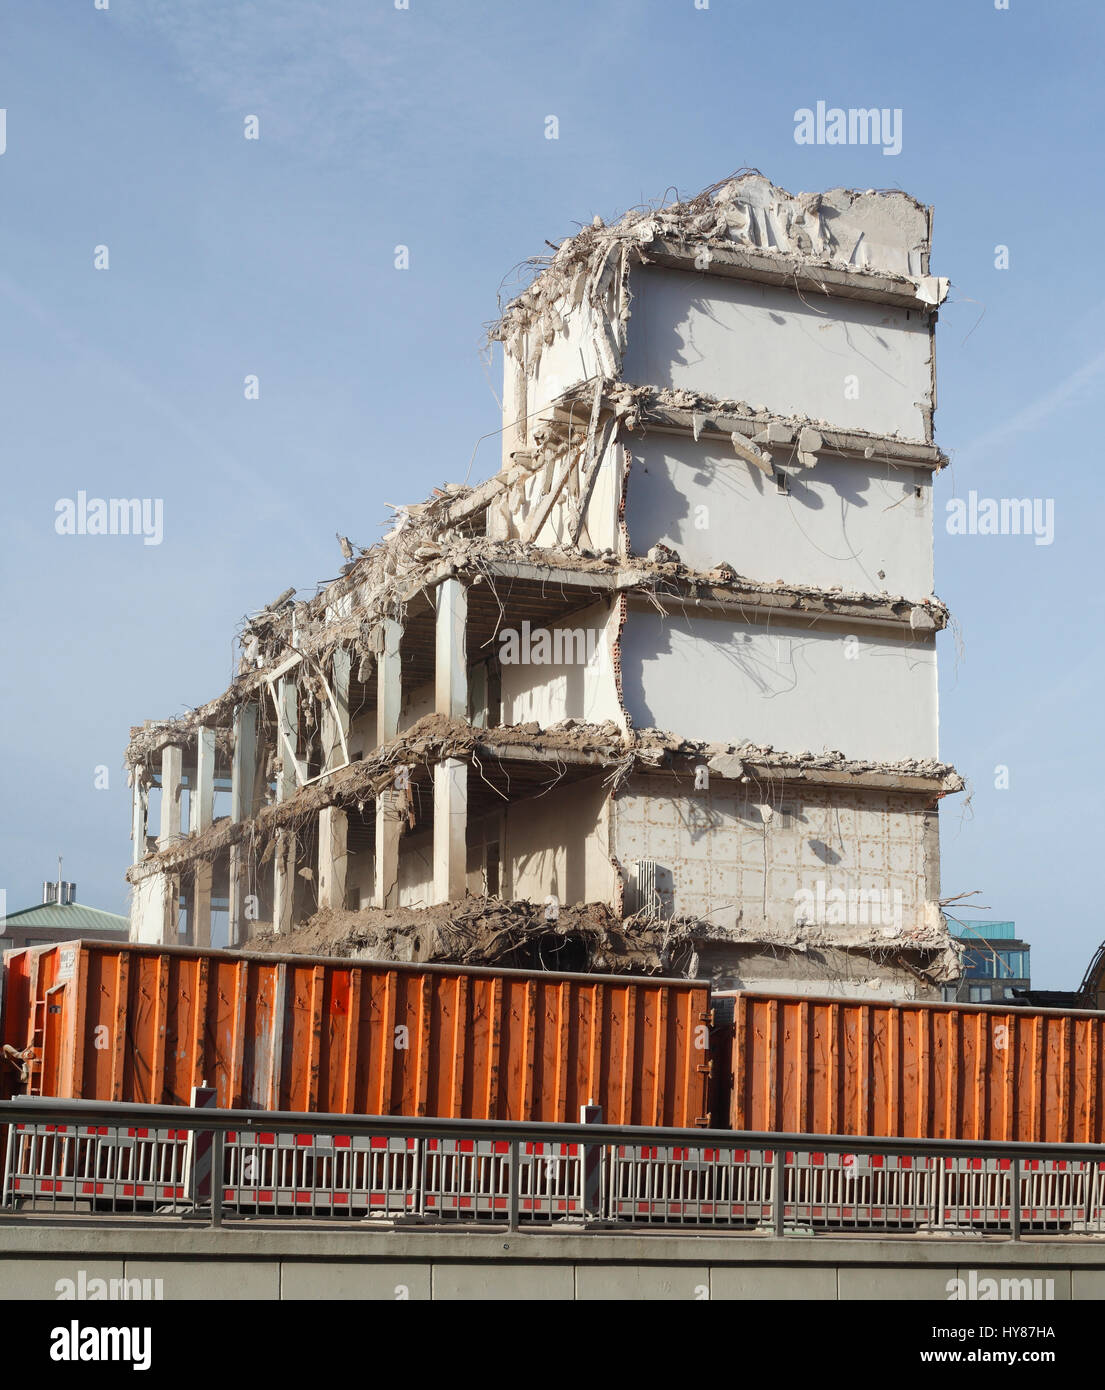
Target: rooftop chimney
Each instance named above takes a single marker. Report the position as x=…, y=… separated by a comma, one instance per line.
x=59, y=892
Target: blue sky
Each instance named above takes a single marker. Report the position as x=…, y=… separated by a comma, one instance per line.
x=426, y=127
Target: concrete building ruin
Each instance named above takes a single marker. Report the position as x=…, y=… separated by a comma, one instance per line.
x=659, y=695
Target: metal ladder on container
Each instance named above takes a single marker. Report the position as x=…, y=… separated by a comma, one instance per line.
x=32, y=1056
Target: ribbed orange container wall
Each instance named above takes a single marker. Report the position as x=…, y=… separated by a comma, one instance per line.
x=112, y=1021
x=831, y=1066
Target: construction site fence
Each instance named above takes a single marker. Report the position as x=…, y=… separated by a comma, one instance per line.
x=146, y=1162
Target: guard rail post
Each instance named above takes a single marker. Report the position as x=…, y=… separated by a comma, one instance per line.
x=591, y=1158
x=778, y=1186
x=218, y=1176
x=512, y=1195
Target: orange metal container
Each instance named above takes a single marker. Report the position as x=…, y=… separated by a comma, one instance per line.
x=934, y=1071
x=115, y=1021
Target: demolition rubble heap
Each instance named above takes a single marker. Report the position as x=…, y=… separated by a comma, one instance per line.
x=659, y=696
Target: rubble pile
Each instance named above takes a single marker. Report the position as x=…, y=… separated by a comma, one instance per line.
x=589, y=938
x=489, y=931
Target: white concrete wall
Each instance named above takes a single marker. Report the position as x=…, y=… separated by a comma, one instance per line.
x=509, y=515
x=711, y=848
x=360, y=883
x=362, y=733
x=771, y=347
x=416, y=865
x=599, y=530
x=791, y=686
x=553, y=368
x=840, y=523
x=549, y=693
x=600, y=518
x=416, y=869
x=557, y=845
x=417, y=703
x=565, y=362
x=482, y=832
x=552, y=844
x=362, y=727
x=360, y=880
x=147, y=909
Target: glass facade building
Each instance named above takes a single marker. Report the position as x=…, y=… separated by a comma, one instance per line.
x=995, y=963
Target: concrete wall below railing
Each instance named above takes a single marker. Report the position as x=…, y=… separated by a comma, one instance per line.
x=280, y=1263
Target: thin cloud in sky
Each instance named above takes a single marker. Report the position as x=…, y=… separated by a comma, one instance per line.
x=1036, y=412
x=350, y=82
x=209, y=450
x=315, y=74
x=367, y=85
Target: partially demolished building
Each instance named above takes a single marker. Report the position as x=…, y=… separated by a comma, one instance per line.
x=661, y=694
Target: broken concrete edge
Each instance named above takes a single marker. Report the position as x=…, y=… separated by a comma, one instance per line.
x=663, y=580
x=435, y=738
x=681, y=411
x=817, y=276
x=674, y=586
x=663, y=575
x=747, y=226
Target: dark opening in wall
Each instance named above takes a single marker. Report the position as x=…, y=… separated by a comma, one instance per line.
x=550, y=951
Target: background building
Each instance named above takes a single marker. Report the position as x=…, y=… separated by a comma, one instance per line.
x=996, y=963
x=59, y=916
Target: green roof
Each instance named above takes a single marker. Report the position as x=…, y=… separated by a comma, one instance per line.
x=71, y=917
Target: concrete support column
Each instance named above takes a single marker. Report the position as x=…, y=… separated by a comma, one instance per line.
x=283, y=885
x=200, y=918
x=243, y=768
x=333, y=822
x=335, y=718
x=450, y=830
x=171, y=767
x=238, y=929
x=139, y=815
x=171, y=933
x=333, y=833
x=201, y=809
x=287, y=709
x=451, y=662
x=389, y=825
x=243, y=777
x=389, y=683
x=153, y=917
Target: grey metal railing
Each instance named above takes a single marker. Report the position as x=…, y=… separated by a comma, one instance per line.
x=158, y=1161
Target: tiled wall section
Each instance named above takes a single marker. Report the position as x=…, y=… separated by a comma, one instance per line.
x=719, y=857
